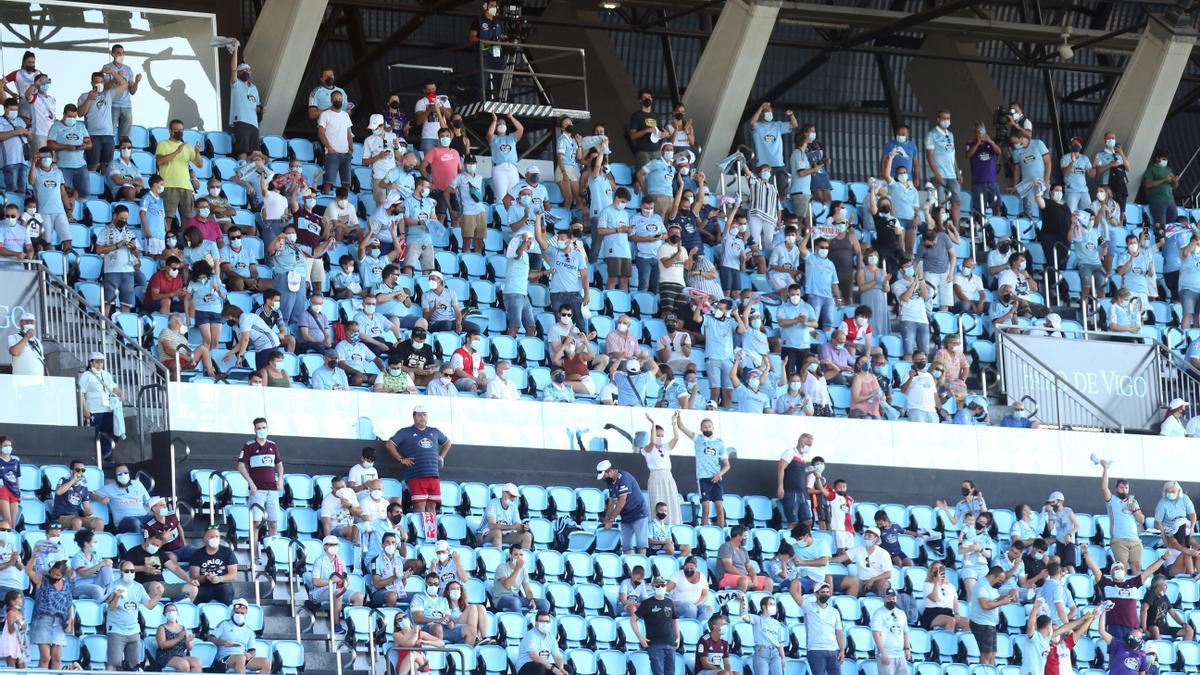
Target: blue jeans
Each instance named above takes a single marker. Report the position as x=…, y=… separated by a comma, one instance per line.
x=633, y=535
x=985, y=195
x=662, y=659
x=291, y=303
x=518, y=312
x=337, y=165
x=122, y=121
x=916, y=336
x=101, y=153
x=687, y=610
x=78, y=179
x=14, y=179
x=795, y=506
x=647, y=269
x=767, y=661
x=824, y=307
x=516, y=603
x=130, y=523
x=821, y=662
x=119, y=286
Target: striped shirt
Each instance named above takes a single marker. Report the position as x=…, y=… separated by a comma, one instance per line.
x=764, y=200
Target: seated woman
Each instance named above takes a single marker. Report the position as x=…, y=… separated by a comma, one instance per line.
x=472, y=619
x=274, y=375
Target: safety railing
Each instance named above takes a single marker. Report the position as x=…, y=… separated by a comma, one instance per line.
x=1060, y=403
x=78, y=328
x=1175, y=378
x=524, y=76
x=455, y=655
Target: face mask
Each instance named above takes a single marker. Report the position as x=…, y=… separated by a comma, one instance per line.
x=44, y=88
x=431, y=590
x=374, y=253
x=623, y=327
x=177, y=135
x=171, y=616
x=123, y=478
x=968, y=271
x=1021, y=265
x=1133, y=642
x=718, y=314
x=889, y=604
x=526, y=200
x=1133, y=248
x=1075, y=147
x=171, y=241
x=756, y=323
x=418, y=344
x=673, y=239
x=46, y=162
x=647, y=213
x=126, y=577
x=491, y=12
x=1162, y=163
x=753, y=382
x=1172, y=496
x=1118, y=575
x=660, y=592
x=559, y=378
x=444, y=141
x=53, y=540
x=668, y=155
x=260, y=434
x=204, y=212
x=291, y=237
x=920, y=365
x=795, y=299
x=794, y=386
x=455, y=594
x=945, y=124
x=151, y=549
x=707, y=433
x=823, y=598
x=982, y=130
x=376, y=494
x=1056, y=195
x=235, y=244
x=768, y=116
x=812, y=136
x=238, y=619
x=823, y=252
x=733, y=231
x=501, y=129
x=543, y=627
x=902, y=177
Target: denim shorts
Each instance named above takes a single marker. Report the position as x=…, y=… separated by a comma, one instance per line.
x=203, y=318
x=633, y=535
x=268, y=500
x=518, y=312
x=718, y=373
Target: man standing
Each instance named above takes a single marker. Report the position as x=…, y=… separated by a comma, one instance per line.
x=320, y=98
x=662, y=636
x=245, y=106
x=69, y=139
x=422, y=449
x=1123, y=591
x=124, y=631
x=333, y=130
x=985, y=613
x=889, y=627
x=95, y=107
x=122, y=103
x=823, y=633
x=712, y=463
x=943, y=163
x=262, y=467
x=172, y=156
x=624, y=499
x=119, y=246
x=792, y=469
x=1126, y=515
x=1031, y=170
x=25, y=348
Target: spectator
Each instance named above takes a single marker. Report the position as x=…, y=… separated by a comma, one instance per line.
x=469, y=375
x=172, y=156
x=389, y=574
x=329, y=574
x=633, y=590
x=118, y=244
x=1122, y=590
x=1159, y=618
x=820, y=281
x=149, y=559
x=95, y=108
x=867, y=399
x=261, y=465
x=502, y=521
x=127, y=500
x=22, y=79
x=982, y=152
x=624, y=499
x=320, y=98
x=643, y=129
x=14, y=137
x=975, y=550
x=969, y=295
x=943, y=164
x=1174, y=515
x=251, y=334
x=1159, y=181
x=340, y=510
x=214, y=568
x=354, y=355
x=539, y=653
x=174, y=643
x=93, y=572
x=238, y=264
x=921, y=389
x=235, y=642
x=70, y=140
x=53, y=202
x=712, y=463
x=648, y=236
x=873, y=565
x=662, y=636
x=443, y=164
x=510, y=590
x=771, y=638
x=1031, y=170
x=53, y=615
x=889, y=628
x=1125, y=515
x=12, y=565
x=614, y=227
x=423, y=450
x=71, y=506
x=165, y=521
x=738, y=571
x=1076, y=167
x=432, y=113
x=823, y=632
x=41, y=108
x=1063, y=525
x=569, y=286
x=689, y=591
x=985, y=613
x=661, y=483
x=124, y=631
x=25, y=347
x=47, y=552
x=1128, y=652
x=274, y=319
x=274, y=375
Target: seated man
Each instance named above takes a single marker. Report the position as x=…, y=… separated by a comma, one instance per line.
x=872, y=563
x=214, y=567
x=431, y=612
x=71, y=507
x=502, y=521
x=235, y=642
x=738, y=571
x=395, y=380
x=340, y=511
x=354, y=355
x=329, y=581
x=149, y=559
x=127, y=499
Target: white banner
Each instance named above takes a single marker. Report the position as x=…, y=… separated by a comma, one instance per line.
x=38, y=399
x=565, y=426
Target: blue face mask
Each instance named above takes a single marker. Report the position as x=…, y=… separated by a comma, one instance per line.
x=526, y=200
x=354, y=337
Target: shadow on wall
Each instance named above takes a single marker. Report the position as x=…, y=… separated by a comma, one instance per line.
x=180, y=106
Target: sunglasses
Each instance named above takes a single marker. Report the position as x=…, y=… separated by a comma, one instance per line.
x=235, y=239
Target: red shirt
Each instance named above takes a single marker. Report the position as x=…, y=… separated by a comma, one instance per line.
x=162, y=284
x=1060, y=650
x=712, y=651
x=444, y=164
x=260, y=463
x=853, y=334
x=471, y=362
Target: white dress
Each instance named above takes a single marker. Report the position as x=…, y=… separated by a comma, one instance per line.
x=661, y=484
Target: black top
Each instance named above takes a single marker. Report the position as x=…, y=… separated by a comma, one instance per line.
x=139, y=557
x=638, y=121
x=659, y=616
x=1056, y=222
x=415, y=358
x=1160, y=608
x=213, y=563
x=1033, y=566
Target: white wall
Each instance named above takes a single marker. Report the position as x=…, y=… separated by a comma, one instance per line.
x=30, y=399
x=474, y=421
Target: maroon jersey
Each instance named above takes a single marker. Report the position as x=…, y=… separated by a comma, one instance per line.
x=260, y=463
x=712, y=651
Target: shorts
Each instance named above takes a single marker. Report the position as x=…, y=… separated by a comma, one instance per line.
x=633, y=535
x=474, y=226
x=8, y=496
x=268, y=500
x=319, y=594
x=619, y=267
x=932, y=613
x=1067, y=554
x=173, y=591
x=449, y=635
x=379, y=598
x=204, y=318
x=518, y=311
x=245, y=139
x=985, y=637
x=710, y=491
x=975, y=572
x=178, y=199
x=570, y=173
x=843, y=538
x=731, y=580
x=57, y=222
x=425, y=489
x=718, y=373
x=315, y=271
x=1128, y=551
x=419, y=252
x=1090, y=273
x=949, y=189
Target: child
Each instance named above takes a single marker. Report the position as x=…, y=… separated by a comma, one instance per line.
x=889, y=538
x=712, y=653
x=344, y=281
x=633, y=590
x=14, y=643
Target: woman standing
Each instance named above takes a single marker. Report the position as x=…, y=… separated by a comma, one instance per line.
x=818, y=159
x=53, y=615
x=770, y=639
x=661, y=484
x=873, y=287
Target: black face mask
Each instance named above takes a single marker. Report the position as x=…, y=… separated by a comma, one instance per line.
x=177, y=135
x=328, y=82
x=966, y=491
x=889, y=604
x=1003, y=248
x=919, y=365
x=823, y=598
x=244, y=76
x=660, y=516
x=120, y=224
x=689, y=573
x=672, y=326
x=337, y=105
x=396, y=519
x=646, y=102
x=394, y=105
x=457, y=124
x=1006, y=298
x=708, y=433
x=678, y=116
x=674, y=239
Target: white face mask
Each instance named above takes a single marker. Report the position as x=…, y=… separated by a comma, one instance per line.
x=214, y=542
x=390, y=550
x=238, y=619
x=376, y=494
x=660, y=592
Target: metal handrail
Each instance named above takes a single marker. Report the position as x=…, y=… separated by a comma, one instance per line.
x=187, y=452
x=79, y=329
x=422, y=648
x=1061, y=385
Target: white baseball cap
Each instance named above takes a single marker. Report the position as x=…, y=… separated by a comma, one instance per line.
x=601, y=468
x=442, y=545
x=420, y=409
x=329, y=539
x=375, y=122
x=533, y=168
x=511, y=489
x=96, y=356
x=1177, y=403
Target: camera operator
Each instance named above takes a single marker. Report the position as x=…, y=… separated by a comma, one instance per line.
x=490, y=28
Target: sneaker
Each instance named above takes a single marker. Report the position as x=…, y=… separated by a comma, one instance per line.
x=340, y=629
x=486, y=641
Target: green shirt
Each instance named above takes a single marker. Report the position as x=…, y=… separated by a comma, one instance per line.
x=1164, y=192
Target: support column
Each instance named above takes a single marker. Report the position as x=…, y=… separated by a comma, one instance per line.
x=717, y=93
x=973, y=98
x=277, y=51
x=1139, y=104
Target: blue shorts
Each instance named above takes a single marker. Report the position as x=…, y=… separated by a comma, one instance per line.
x=204, y=318
x=518, y=312
x=718, y=373
x=710, y=491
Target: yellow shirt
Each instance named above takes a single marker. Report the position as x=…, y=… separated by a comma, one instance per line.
x=175, y=172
